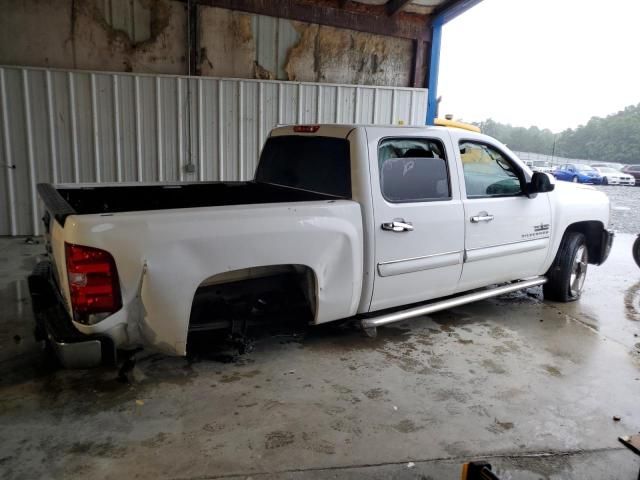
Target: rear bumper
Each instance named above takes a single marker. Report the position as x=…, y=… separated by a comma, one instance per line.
x=53, y=324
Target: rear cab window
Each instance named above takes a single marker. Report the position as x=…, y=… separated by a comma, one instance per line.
x=413, y=170
x=313, y=163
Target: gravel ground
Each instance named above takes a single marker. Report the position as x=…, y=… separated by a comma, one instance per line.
x=625, y=208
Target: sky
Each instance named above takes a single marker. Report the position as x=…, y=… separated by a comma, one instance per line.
x=550, y=63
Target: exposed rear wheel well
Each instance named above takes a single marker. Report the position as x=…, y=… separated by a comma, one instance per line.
x=251, y=294
x=594, y=235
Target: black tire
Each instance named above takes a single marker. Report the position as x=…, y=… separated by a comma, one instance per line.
x=636, y=250
x=560, y=286
x=605, y=181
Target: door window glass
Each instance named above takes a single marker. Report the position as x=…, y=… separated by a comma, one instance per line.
x=413, y=170
x=487, y=172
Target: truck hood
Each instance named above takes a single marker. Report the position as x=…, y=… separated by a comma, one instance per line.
x=582, y=202
x=567, y=188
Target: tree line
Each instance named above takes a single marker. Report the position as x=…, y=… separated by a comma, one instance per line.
x=615, y=138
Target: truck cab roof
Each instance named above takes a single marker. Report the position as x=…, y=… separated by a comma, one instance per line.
x=343, y=130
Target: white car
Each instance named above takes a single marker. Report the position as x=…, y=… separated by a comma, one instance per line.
x=373, y=223
x=615, y=166
x=611, y=176
x=541, y=166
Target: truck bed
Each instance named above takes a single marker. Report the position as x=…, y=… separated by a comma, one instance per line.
x=64, y=200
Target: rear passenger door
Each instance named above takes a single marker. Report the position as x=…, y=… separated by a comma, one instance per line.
x=507, y=233
x=418, y=219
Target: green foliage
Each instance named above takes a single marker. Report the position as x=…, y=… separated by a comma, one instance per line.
x=615, y=138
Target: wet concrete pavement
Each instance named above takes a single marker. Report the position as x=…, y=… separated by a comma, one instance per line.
x=529, y=385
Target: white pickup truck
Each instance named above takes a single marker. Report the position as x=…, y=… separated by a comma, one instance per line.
x=367, y=222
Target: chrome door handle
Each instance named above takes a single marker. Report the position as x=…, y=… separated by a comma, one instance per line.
x=397, y=226
x=483, y=217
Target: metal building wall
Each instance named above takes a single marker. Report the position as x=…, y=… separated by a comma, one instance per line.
x=81, y=127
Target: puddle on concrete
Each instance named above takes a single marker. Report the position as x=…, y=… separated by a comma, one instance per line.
x=16, y=323
x=16, y=303
x=348, y=337
x=453, y=316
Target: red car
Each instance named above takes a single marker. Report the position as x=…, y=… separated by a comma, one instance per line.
x=633, y=170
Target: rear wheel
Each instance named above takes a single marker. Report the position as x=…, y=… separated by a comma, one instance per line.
x=565, y=278
x=605, y=181
x=574, y=179
x=636, y=250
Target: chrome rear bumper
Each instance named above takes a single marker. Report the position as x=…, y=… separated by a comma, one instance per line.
x=72, y=348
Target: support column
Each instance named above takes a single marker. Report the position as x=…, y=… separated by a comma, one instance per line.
x=434, y=67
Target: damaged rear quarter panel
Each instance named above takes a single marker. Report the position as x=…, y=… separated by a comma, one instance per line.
x=163, y=256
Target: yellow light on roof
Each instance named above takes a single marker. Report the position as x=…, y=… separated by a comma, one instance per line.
x=444, y=122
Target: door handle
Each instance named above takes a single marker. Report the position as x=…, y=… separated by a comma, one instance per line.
x=398, y=226
x=482, y=217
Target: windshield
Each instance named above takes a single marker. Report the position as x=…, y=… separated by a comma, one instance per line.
x=318, y=164
x=585, y=168
x=607, y=170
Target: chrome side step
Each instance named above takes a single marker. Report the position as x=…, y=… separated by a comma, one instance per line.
x=370, y=324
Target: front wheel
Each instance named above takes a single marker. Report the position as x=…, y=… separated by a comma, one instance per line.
x=565, y=278
x=636, y=250
x=605, y=181
x=574, y=179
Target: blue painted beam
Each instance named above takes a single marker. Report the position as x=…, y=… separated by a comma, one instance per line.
x=434, y=67
x=451, y=11
x=443, y=16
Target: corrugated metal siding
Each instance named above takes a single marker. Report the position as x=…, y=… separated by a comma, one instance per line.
x=82, y=127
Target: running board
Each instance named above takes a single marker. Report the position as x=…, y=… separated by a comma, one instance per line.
x=372, y=322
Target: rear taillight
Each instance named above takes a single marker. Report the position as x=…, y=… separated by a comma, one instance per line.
x=306, y=128
x=93, y=281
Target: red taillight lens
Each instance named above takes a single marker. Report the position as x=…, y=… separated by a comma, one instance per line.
x=93, y=281
x=306, y=128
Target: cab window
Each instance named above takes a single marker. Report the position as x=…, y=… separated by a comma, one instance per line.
x=413, y=170
x=487, y=172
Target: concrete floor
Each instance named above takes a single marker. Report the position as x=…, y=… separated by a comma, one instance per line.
x=530, y=386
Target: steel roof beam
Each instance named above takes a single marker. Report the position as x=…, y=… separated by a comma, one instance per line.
x=364, y=19
x=394, y=6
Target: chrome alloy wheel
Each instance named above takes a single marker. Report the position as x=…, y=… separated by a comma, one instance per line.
x=578, y=271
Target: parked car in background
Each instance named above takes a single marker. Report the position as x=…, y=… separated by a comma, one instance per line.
x=633, y=170
x=578, y=173
x=615, y=166
x=541, y=166
x=611, y=176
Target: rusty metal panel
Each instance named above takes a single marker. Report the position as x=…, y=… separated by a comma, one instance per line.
x=92, y=127
x=130, y=16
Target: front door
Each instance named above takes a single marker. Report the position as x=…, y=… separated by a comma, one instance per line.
x=507, y=233
x=418, y=219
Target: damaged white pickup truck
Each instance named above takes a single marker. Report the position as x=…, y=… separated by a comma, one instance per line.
x=373, y=223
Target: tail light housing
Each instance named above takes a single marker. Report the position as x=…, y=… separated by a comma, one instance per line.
x=93, y=282
x=306, y=128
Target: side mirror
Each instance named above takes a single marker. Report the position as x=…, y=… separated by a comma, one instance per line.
x=540, y=183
